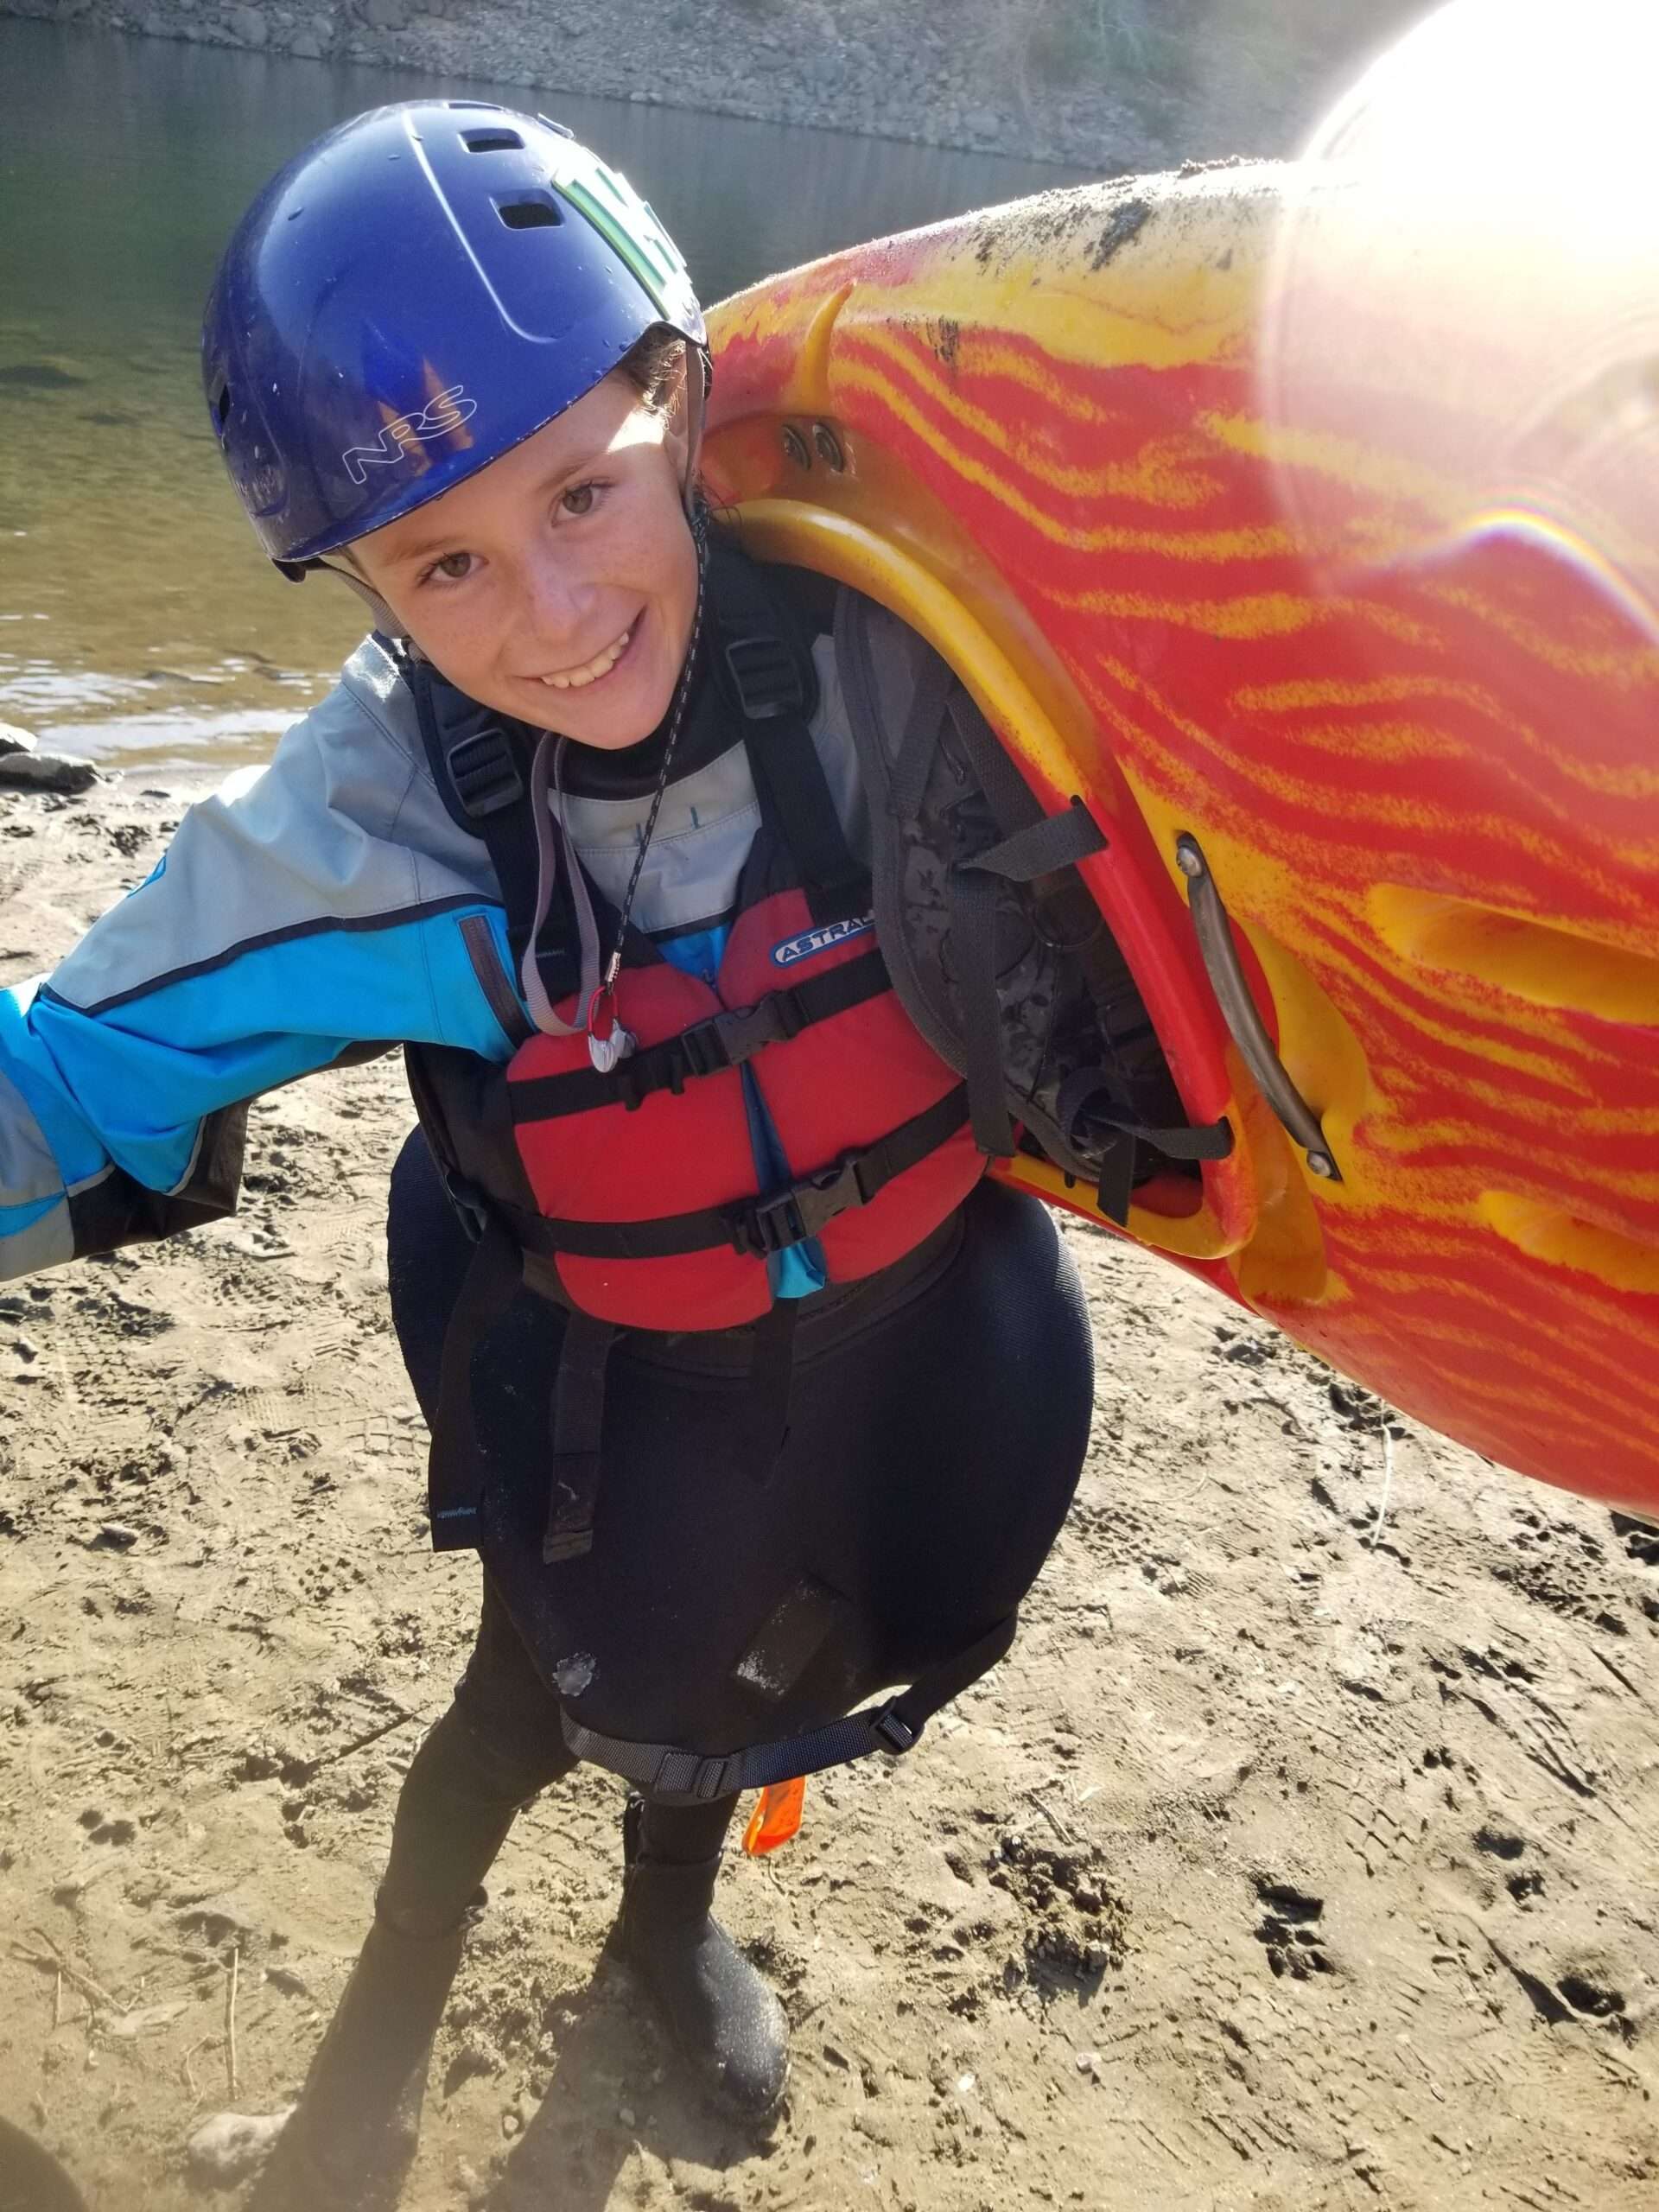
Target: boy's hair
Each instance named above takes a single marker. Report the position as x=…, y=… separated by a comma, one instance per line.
x=655, y=365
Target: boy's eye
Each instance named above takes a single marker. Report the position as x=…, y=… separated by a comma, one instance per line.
x=451, y=567
x=578, y=499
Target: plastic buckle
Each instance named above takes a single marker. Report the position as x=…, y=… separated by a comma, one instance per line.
x=719, y=1777
x=725, y=1040
x=791, y=1217
x=766, y=678
x=702, y=1046
x=891, y=1730
x=485, y=774
x=468, y=1204
x=683, y=1774
x=783, y=1018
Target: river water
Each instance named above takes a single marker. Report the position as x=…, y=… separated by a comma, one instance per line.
x=137, y=618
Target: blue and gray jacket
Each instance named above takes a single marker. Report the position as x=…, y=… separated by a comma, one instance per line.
x=315, y=911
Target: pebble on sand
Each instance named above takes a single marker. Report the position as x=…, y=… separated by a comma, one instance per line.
x=231, y=2144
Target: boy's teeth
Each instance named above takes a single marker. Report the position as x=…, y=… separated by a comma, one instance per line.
x=601, y=664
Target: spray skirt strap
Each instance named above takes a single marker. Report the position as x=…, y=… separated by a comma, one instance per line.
x=666, y=1770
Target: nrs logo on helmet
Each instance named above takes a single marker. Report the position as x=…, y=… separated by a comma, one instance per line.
x=401, y=440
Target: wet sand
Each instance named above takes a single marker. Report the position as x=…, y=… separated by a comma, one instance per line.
x=1291, y=1860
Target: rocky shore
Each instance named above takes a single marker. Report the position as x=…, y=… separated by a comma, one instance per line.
x=1110, y=84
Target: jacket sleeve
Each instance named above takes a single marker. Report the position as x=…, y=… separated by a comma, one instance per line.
x=310, y=912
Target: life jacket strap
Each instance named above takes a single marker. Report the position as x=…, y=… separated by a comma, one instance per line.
x=578, y=1425
x=756, y=1227
x=666, y=1770
x=576, y=1419
x=724, y=1040
x=455, y=1474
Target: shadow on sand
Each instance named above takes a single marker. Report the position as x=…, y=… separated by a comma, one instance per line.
x=617, y=2085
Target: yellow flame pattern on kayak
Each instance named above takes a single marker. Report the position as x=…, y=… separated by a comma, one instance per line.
x=1416, y=735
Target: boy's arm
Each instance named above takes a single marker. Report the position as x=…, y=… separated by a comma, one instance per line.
x=309, y=913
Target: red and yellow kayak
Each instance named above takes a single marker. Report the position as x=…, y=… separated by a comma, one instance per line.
x=1412, y=736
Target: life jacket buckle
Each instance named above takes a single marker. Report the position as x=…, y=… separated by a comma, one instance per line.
x=792, y=1215
x=702, y=1050
x=725, y=1040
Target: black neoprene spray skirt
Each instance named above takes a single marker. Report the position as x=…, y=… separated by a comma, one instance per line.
x=938, y=1428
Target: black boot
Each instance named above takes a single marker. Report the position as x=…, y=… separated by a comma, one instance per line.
x=715, y=2005
x=351, y=2139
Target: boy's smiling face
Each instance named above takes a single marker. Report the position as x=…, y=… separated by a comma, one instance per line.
x=558, y=585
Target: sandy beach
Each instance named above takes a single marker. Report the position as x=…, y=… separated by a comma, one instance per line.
x=1301, y=1855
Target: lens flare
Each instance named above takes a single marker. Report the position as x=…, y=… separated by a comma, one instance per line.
x=1461, y=339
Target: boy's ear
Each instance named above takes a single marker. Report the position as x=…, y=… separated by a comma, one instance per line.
x=677, y=413
x=685, y=423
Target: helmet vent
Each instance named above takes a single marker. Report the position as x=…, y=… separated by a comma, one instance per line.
x=534, y=212
x=220, y=400
x=493, y=142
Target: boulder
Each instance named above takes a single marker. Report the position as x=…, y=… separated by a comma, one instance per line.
x=48, y=772
x=13, y=739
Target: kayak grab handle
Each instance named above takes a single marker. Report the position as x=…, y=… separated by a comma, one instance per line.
x=1249, y=1031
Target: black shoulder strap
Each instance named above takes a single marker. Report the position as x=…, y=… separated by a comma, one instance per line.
x=794, y=793
x=766, y=662
x=478, y=762
x=478, y=766
x=761, y=647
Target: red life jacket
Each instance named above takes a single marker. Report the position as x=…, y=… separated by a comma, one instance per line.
x=872, y=1125
x=638, y=1197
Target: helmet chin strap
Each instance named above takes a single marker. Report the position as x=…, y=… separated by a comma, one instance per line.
x=696, y=401
x=385, y=620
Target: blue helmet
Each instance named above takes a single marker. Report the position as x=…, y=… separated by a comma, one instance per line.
x=419, y=291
